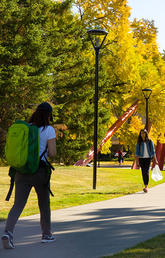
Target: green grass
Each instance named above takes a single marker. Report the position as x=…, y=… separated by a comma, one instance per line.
x=115, y=162
x=73, y=186
x=153, y=248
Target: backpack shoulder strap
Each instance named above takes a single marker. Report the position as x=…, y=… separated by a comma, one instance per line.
x=10, y=189
x=43, y=153
x=51, y=168
x=12, y=173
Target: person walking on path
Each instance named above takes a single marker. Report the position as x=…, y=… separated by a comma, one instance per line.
x=145, y=153
x=120, y=157
x=39, y=180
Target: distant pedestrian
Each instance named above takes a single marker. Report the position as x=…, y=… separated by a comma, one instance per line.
x=39, y=180
x=145, y=153
x=120, y=157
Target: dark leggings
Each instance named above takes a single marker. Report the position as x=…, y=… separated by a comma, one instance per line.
x=145, y=166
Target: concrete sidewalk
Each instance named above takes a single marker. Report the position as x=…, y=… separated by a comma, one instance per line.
x=93, y=230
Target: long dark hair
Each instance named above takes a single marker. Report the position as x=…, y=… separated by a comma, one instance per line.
x=140, y=140
x=40, y=118
x=42, y=115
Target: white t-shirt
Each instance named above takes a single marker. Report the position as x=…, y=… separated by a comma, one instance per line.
x=45, y=134
x=145, y=155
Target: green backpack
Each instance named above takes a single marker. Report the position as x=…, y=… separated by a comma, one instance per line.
x=22, y=147
x=22, y=152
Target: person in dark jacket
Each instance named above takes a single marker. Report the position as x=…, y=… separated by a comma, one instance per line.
x=120, y=156
x=145, y=153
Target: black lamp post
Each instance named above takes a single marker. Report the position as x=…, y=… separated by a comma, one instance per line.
x=97, y=37
x=147, y=94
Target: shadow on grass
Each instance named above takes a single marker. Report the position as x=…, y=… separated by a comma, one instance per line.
x=151, y=248
x=107, y=193
x=100, y=193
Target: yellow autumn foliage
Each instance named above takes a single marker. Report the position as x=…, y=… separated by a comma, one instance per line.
x=132, y=57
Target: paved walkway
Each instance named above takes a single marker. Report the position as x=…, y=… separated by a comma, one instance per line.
x=94, y=230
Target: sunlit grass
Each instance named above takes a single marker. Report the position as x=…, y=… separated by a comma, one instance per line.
x=73, y=186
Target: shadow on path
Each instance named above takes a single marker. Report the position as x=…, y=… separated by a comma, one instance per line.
x=88, y=234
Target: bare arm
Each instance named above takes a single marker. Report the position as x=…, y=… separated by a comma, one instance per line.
x=155, y=159
x=52, y=148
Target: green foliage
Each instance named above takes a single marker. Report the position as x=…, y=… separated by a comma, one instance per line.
x=73, y=79
x=45, y=55
x=24, y=49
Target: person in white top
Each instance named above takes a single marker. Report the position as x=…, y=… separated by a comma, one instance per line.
x=40, y=180
x=145, y=153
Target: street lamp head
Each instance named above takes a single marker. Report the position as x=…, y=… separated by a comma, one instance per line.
x=147, y=93
x=97, y=37
x=97, y=32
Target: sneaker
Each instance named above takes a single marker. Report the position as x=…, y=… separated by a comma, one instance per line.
x=7, y=240
x=48, y=239
x=145, y=190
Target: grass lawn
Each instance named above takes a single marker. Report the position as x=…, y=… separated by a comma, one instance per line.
x=153, y=248
x=73, y=186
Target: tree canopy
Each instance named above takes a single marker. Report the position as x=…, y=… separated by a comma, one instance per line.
x=46, y=55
